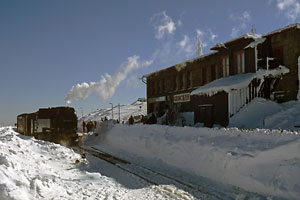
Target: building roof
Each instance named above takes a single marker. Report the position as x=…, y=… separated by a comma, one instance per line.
x=182, y=65
x=258, y=39
x=236, y=82
x=245, y=36
x=283, y=29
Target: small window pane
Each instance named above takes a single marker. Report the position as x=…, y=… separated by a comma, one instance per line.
x=243, y=63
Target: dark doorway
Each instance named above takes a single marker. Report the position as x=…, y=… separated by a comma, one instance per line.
x=204, y=114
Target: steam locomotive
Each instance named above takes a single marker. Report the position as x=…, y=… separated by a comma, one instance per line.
x=57, y=124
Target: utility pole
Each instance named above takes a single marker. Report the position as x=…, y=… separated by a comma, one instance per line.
x=82, y=138
x=119, y=113
x=112, y=110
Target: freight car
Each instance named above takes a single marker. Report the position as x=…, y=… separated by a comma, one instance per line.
x=58, y=124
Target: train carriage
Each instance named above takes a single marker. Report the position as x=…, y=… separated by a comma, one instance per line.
x=57, y=124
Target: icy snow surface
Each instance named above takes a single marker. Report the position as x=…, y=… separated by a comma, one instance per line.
x=262, y=161
x=32, y=169
x=262, y=113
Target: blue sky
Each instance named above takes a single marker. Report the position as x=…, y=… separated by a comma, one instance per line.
x=47, y=47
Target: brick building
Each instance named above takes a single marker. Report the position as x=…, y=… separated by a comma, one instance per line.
x=216, y=86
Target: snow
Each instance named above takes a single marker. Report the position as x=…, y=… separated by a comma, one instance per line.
x=134, y=109
x=261, y=161
x=297, y=25
x=220, y=45
x=238, y=81
x=257, y=110
x=226, y=162
x=32, y=169
x=245, y=36
x=256, y=42
x=262, y=113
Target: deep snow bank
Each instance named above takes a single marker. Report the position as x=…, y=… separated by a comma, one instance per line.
x=261, y=161
x=262, y=113
x=254, y=114
x=32, y=169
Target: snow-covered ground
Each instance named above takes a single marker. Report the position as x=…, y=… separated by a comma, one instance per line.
x=134, y=109
x=225, y=163
x=262, y=113
x=32, y=169
x=261, y=161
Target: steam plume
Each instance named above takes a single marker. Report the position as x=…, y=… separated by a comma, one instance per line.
x=107, y=85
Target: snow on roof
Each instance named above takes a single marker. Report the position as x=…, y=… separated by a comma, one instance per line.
x=237, y=81
x=284, y=28
x=245, y=36
x=256, y=41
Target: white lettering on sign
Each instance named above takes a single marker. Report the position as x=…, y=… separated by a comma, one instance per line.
x=182, y=98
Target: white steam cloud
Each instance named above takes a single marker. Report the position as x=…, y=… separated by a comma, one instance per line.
x=163, y=24
x=107, y=85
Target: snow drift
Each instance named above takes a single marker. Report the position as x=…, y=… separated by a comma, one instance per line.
x=32, y=169
x=262, y=161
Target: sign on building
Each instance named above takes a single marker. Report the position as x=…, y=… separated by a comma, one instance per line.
x=157, y=99
x=182, y=98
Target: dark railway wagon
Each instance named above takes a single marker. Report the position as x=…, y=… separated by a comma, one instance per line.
x=58, y=124
x=25, y=123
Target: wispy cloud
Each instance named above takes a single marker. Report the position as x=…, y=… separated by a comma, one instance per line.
x=107, y=85
x=179, y=23
x=212, y=36
x=163, y=24
x=134, y=82
x=242, y=22
x=187, y=46
x=291, y=8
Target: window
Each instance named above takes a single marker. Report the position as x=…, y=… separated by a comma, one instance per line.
x=239, y=62
x=152, y=89
x=213, y=72
x=162, y=85
x=179, y=81
x=174, y=81
x=225, y=66
x=204, y=76
x=217, y=70
x=278, y=53
x=189, y=79
x=208, y=75
x=157, y=90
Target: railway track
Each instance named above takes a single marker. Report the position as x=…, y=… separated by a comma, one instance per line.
x=164, y=181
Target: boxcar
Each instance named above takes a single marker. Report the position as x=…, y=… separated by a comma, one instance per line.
x=25, y=123
x=58, y=124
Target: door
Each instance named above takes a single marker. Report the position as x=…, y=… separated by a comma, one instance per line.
x=204, y=115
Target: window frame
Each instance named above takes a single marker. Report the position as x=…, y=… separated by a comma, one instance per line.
x=239, y=62
x=280, y=55
x=225, y=68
